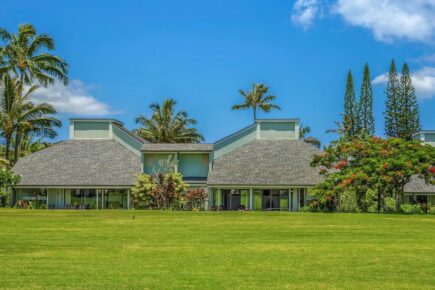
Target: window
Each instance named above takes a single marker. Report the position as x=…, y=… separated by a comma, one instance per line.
x=149, y=160
x=204, y=159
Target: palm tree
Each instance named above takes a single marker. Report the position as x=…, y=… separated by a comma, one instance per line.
x=8, y=110
x=166, y=126
x=36, y=119
x=304, y=131
x=30, y=145
x=255, y=98
x=22, y=56
x=19, y=116
x=339, y=129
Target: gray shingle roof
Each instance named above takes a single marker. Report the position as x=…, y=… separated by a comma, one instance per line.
x=267, y=162
x=418, y=185
x=80, y=163
x=171, y=147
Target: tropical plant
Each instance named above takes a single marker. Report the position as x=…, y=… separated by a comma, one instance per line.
x=166, y=126
x=339, y=129
x=195, y=198
x=162, y=191
x=374, y=163
x=304, y=131
x=30, y=143
x=257, y=99
x=19, y=116
x=21, y=55
x=7, y=179
x=141, y=191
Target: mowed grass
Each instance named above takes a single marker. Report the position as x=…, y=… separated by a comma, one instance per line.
x=215, y=250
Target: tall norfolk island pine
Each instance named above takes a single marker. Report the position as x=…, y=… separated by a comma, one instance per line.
x=365, y=107
x=409, y=116
x=350, y=118
x=392, y=104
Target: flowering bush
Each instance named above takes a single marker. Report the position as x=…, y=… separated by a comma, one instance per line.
x=162, y=191
x=195, y=198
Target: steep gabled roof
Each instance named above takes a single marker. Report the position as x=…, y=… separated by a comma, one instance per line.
x=80, y=163
x=267, y=162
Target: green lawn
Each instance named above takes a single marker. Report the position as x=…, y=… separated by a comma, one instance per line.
x=202, y=250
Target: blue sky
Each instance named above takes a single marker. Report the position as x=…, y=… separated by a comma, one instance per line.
x=124, y=55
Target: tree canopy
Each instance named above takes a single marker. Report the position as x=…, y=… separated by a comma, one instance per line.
x=374, y=163
x=257, y=99
x=167, y=126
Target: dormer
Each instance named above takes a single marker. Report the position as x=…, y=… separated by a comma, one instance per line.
x=92, y=128
x=105, y=129
x=262, y=129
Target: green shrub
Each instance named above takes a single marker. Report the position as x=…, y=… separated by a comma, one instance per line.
x=431, y=210
x=306, y=208
x=389, y=205
x=314, y=205
x=408, y=208
x=348, y=202
x=373, y=208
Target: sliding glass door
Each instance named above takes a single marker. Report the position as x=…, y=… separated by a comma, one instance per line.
x=275, y=199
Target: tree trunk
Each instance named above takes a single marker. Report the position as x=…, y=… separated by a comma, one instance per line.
x=8, y=147
x=17, y=147
x=397, y=202
x=379, y=200
x=255, y=114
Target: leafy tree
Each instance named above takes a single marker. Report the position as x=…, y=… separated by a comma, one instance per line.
x=19, y=116
x=374, y=163
x=351, y=120
x=304, y=131
x=257, y=99
x=409, y=114
x=365, y=108
x=166, y=126
x=392, y=104
x=22, y=56
x=7, y=179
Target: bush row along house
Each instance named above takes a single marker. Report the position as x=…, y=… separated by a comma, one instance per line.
x=265, y=166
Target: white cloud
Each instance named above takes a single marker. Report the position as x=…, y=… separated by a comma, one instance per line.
x=423, y=81
x=74, y=99
x=305, y=11
x=389, y=20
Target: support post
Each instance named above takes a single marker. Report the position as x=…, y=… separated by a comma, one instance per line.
x=128, y=199
x=48, y=204
x=251, y=199
x=290, y=199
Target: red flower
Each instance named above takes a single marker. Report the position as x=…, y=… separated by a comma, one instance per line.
x=341, y=164
x=432, y=170
x=345, y=182
x=386, y=165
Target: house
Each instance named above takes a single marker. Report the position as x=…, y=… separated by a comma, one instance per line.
x=417, y=190
x=264, y=166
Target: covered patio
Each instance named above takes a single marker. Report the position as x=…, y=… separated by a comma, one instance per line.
x=273, y=199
